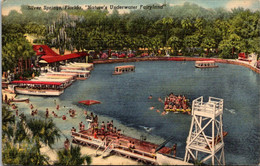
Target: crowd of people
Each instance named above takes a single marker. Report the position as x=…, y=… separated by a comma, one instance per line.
x=175, y=102
x=96, y=128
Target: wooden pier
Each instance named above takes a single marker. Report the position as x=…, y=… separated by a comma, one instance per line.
x=143, y=151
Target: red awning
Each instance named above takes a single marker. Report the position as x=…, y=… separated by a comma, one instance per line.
x=36, y=82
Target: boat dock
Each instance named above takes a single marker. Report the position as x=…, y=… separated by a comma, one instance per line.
x=143, y=151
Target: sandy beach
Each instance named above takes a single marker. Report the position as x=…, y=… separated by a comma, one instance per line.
x=111, y=160
x=96, y=160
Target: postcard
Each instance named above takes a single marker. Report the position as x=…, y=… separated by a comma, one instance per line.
x=116, y=82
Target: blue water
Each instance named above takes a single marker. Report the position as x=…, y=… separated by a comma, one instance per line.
x=125, y=100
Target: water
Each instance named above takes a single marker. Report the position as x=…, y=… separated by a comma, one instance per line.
x=125, y=100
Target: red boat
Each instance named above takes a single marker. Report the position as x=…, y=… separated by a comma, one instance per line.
x=89, y=102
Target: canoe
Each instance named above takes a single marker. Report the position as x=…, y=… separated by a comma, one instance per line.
x=90, y=102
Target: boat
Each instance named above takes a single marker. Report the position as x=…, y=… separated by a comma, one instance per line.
x=90, y=102
x=20, y=100
x=205, y=64
x=73, y=75
x=65, y=81
x=76, y=66
x=123, y=69
x=38, y=88
x=81, y=75
x=87, y=66
x=178, y=110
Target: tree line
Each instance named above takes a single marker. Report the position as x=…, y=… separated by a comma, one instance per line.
x=187, y=30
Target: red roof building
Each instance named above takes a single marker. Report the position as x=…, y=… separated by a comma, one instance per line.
x=50, y=56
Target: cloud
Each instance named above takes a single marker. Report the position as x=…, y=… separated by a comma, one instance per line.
x=242, y=3
x=6, y=11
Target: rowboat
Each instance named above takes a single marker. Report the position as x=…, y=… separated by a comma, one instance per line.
x=21, y=100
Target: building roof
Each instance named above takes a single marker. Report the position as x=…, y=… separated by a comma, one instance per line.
x=50, y=56
x=44, y=50
x=35, y=82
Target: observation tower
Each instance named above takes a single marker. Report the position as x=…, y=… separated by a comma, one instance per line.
x=205, y=139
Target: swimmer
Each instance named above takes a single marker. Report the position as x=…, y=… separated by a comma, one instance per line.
x=160, y=100
x=158, y=111
x=151, y=108
x=150, y=97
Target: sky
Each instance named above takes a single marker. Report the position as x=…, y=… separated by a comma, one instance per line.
x=8, y=5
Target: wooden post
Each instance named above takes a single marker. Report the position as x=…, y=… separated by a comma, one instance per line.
x=19, y=66
x=26, y=64
x=30, y=64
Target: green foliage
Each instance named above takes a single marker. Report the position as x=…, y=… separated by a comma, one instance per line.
x=44, y=131
x=7, y=121
x=15, y=49
x=19, y=148
x=25, y=155
x=72, y=157
x=189, y=28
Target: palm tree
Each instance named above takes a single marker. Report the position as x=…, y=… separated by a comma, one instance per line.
x=167, y=22
x=174, y=42
x=208, y=43
x=44, y=131
x=25, y=155
x=7, y=120
x=72, y=157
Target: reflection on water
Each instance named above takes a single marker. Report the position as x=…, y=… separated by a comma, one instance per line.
x=125, y=100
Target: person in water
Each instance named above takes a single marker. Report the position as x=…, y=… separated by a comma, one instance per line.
x=47, y=113
x=85, y=113
x=108, y=125
x=174, y=148
x=73, y=129
x=67, y=144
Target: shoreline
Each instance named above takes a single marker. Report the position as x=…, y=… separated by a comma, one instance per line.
x=52, y=154
x=227, y=61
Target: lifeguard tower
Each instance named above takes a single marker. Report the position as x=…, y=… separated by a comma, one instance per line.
x=205, y=139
